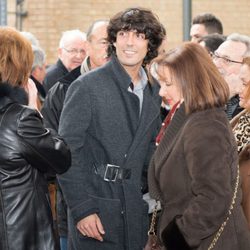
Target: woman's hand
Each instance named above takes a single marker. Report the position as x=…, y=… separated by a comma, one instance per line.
x=32, y=93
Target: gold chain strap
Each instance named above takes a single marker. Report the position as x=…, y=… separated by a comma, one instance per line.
x=153, y=221
x=219, y=232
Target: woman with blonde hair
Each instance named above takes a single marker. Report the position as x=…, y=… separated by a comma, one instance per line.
x=241, y=129
x=194, y=170
x=27, y=151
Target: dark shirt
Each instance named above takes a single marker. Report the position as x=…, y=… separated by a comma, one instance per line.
x=233, y=108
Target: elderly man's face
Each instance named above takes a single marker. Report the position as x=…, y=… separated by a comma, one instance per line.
x=97, y=46
x=228, y=59
x=73, y=53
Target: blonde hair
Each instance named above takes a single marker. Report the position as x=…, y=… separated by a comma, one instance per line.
x=16, y=57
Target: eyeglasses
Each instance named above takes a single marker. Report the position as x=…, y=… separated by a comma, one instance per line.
x=227, y=61
x=75, y=51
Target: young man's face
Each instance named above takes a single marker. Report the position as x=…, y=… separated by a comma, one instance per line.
x=197, y=31
x=131, y=48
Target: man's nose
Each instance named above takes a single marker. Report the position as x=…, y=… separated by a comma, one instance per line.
x=130, y=38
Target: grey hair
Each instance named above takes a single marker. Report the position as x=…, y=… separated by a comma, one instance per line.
x=29, y=36
x=39, y=57
x=95, y=25
x=69, y=34
x=236, y=37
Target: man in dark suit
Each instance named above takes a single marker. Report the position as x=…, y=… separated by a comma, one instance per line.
x=110, y=119
x=71, y=53
x=96, y=48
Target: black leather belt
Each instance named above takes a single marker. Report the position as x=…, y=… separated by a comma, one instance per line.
x=112, y=173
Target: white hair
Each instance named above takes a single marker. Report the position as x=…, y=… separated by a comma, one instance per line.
x=69, y=34
x=29, y=36
x=235, y=37
x=39, y=57
x=96, y=24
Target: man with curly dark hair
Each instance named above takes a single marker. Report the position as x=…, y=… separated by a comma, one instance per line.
x=115, y=113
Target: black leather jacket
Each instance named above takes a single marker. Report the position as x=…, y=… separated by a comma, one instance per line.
x=27, y=151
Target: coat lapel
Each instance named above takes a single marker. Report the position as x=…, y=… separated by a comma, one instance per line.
x=150, y=112
x=170, y=136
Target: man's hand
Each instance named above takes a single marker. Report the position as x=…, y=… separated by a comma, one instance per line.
x=91, y=226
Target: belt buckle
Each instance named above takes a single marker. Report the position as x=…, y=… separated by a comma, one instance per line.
x=112, y=179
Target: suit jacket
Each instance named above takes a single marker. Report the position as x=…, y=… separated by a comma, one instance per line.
x=193, y=172
x=101, y=121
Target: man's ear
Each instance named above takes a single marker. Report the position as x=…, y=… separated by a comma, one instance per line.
x=59, y=51
x=87, y=47
x=114, y=44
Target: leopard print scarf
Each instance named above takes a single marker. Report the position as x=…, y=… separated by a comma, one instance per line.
x=242, y=131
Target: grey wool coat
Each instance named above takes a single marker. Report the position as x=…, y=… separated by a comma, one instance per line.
x=193, y=172
x=101, y=123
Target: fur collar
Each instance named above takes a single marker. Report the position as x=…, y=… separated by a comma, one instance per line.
x=16, y=94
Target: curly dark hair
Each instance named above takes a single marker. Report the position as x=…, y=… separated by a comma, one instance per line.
x=143, y=21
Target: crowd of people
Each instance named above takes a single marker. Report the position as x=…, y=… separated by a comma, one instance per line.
x=122, y=137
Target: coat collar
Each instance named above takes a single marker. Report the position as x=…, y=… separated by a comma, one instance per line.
x=164, y=149
x=150, y=106
x=149, y=114
x=171, y=134
x=60, y=65
x=71, y=76
x=85, y=67
x=10, y=94
x=122, y=77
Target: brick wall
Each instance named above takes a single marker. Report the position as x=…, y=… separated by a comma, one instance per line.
x=49, y=18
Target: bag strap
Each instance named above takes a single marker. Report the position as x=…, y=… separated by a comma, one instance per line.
x=152, y=228
x=221, y=229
